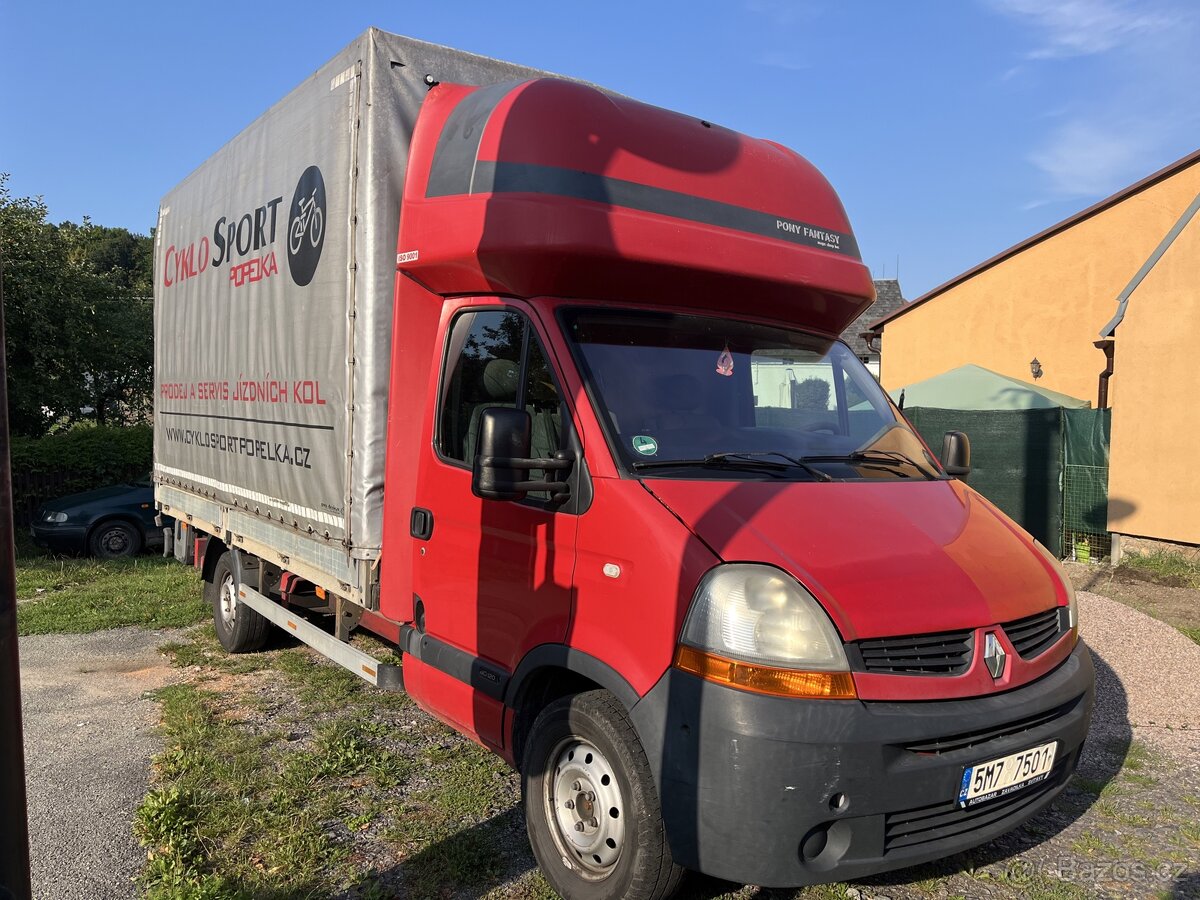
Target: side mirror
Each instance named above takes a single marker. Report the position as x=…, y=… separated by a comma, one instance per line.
x=956, y=454
x=502, y=458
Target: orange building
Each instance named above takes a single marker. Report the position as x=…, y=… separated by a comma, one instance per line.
x=1118, y=280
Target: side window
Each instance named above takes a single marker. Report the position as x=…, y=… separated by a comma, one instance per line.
x=495, y=359
x=483, y=369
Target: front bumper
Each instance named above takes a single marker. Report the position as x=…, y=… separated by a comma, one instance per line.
x=59, y=538
x=750, y=784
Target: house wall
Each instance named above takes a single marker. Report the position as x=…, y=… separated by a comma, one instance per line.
x=1155, y=429
x=1048, y=301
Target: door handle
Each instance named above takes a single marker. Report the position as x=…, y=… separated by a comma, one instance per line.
x=420, y=523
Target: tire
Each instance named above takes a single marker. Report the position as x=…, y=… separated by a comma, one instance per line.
x=584, y=766
x=115, y=539
x=239, y=628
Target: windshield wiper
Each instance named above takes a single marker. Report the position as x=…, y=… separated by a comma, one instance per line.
x=751, y=456
x=736, y=460
x=893, y=457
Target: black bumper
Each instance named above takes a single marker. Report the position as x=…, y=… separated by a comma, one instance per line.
x=59, y=538
x=749, y=783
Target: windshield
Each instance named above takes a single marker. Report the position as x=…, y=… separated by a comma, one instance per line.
x=701, y=396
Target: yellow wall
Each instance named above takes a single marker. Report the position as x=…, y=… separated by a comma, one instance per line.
x=1049, y=301
x=1152, y=488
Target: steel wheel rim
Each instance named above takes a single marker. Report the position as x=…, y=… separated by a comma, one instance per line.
x=228, y=598
x=585, y=808
x=115, y=541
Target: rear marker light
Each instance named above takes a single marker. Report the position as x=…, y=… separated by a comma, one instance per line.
x=765, y=679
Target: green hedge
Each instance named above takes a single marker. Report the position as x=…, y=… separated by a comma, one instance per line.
x=80, y=459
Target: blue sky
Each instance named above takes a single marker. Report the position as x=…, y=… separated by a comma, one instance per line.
x=951, y=128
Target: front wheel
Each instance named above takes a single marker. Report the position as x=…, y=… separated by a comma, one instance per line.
x=591, y=807
x=239, y=628
x=115, y=539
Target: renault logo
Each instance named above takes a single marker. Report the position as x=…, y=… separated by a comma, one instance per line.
x=993, y=654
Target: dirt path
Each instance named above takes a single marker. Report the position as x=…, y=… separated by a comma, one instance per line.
x=89, y=739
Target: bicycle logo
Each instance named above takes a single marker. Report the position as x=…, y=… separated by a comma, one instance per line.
x=306, y=226
x=312, y=220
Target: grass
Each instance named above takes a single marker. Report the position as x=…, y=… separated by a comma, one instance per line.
x=270, y=805
x=1165, y=565
x=213, y=803
x=74, y=596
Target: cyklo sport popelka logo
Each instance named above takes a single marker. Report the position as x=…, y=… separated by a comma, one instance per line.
x=306, y=226
x=244, y=243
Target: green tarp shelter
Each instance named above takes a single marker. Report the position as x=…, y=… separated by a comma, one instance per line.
x=974, y=387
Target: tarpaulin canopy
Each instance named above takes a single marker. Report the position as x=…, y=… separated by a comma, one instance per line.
x=974, y=387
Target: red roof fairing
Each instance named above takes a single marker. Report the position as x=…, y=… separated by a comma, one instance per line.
x=552, y=188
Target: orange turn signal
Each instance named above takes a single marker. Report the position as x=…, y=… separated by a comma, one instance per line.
x=320, y=591
x=765, y=679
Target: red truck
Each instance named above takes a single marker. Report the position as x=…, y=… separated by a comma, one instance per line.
x=543, y=387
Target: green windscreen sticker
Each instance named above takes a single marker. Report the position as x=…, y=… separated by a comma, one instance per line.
x=645, y=445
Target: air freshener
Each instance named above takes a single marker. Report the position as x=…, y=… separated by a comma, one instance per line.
x=725, y=362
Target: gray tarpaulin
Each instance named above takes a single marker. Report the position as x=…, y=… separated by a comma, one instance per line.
x=274, y=279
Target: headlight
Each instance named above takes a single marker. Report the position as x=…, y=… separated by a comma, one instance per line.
x=1068, y=587
x=755, y=627
x=50, y=516
x=759, y=614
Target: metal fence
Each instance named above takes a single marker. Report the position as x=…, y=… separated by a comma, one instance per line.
x=1086, y=435
x=1085, y=513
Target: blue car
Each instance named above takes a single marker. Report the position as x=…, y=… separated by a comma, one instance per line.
x=109, y=522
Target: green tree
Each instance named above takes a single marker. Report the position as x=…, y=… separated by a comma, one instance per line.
x=79, y=319
x=811, y=393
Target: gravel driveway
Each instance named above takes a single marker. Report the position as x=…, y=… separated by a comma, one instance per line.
x=89, y=737
x=1155, y=694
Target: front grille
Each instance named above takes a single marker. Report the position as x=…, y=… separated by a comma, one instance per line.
x=1034, y=634
x=948, y=653
x=943, y=821
x=963, y=740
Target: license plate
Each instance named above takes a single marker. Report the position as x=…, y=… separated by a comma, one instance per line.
x=998, y=777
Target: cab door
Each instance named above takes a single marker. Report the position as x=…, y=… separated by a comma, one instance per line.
x=492, y=578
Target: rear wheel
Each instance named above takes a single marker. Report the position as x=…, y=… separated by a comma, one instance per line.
x=239, y=628
x=115, y=539
x=591, y=806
